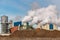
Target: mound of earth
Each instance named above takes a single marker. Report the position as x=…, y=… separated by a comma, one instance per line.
x=36, y=33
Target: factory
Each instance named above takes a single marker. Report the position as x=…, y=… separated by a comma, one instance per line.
x=21, y=26
x=7, y=27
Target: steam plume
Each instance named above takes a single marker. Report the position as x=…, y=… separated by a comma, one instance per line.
x=42, y=15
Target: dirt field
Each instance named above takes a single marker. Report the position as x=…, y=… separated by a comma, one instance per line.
x=5, y=38
x=38, y=34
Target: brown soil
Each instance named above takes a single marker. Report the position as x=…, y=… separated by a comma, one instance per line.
x=36, y=33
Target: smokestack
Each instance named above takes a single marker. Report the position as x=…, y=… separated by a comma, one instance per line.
x=10, y=23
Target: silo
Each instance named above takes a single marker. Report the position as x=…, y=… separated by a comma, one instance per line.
x=4, y=24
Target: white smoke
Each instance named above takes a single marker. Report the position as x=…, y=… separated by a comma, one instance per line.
x=27, y=19
x=31, y=13
x=35, y=19
x=43, y=15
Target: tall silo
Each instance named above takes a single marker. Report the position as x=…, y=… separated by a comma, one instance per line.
x=4, y=25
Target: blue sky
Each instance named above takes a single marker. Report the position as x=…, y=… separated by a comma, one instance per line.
x=14, y=8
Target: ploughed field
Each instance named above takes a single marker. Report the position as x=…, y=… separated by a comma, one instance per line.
x=35, y=34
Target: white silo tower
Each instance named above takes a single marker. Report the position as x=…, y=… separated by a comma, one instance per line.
x=4, y=24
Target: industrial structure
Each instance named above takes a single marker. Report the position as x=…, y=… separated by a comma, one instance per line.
x=10, y=25
x=4, y=24
x=26, y=26
x=48, y=26
x=20, y=26
x=7, y=28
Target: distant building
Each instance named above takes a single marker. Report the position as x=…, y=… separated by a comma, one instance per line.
x=49, y=26
x=22, y=25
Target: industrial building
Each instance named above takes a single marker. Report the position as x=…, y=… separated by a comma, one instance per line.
x=18, y=26
x=26, y=26
x=7, y=27
x=48, y=26
x=21, y=25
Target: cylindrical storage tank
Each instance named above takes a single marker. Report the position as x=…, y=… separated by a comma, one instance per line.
x=4, y=24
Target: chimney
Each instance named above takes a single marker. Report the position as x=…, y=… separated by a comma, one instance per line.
x=11, y=23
